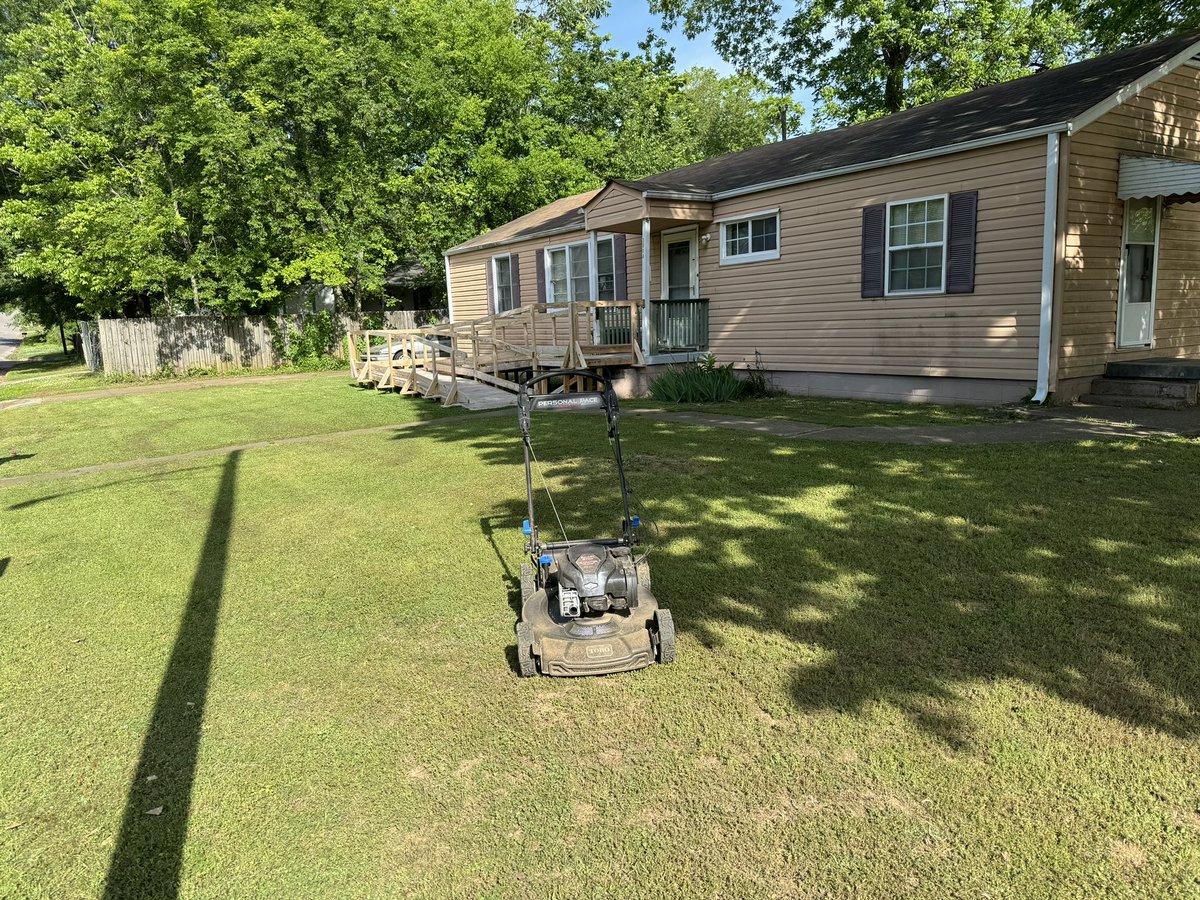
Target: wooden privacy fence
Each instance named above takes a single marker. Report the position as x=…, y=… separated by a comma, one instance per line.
x=179, y=343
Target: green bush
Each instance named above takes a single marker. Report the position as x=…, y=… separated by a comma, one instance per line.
x=314, y=341
x=698, y=382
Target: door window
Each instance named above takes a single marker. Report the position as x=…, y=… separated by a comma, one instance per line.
x=679, y=269
x=1137, y=272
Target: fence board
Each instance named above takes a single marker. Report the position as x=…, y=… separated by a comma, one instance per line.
x=178, y=343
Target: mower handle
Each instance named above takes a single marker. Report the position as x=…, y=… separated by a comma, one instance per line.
x=557, y=373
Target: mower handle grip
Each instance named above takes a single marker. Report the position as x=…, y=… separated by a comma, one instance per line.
x=538, y=379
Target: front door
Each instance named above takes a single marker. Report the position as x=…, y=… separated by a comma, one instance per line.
x=673, y=315
x=1135, y=306
x=680, y=268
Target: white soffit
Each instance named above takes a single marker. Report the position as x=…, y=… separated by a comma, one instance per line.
x=1147, y=177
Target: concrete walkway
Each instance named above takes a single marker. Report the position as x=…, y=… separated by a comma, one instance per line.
x=1066, y=424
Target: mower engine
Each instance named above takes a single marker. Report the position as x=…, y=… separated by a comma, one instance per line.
x=592, y=579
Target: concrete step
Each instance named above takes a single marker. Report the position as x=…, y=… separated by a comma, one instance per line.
x=1145, y=387
x=1137, y=402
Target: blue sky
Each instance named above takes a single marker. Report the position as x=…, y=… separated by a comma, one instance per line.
x=627, y=23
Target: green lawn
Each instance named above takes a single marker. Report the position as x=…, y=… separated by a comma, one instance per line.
x=40, y=355
x=55, y=436
x=904, y=671
x=852, y=413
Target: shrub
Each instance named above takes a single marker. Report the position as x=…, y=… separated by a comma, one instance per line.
x=311, y=342
x=698, y=382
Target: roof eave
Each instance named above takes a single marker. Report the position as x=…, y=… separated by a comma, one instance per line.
x=515, y=239
x=990, y=141
x=1132, y=89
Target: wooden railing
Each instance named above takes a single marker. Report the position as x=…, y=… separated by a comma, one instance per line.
x=539, y=337
x=678, y=326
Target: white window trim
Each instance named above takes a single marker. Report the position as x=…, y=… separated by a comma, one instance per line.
x=1158, y=223
x=495, y=298
x=887, y=246
x=741, y=258
x=593, y=270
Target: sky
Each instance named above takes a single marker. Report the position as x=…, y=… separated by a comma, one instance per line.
x=628, y=20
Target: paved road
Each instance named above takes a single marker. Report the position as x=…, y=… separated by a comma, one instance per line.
x=9, y=338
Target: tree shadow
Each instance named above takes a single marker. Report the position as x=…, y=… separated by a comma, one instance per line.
x=16, y=457
x=913, y=575
x=148, y=855
x=4, y=565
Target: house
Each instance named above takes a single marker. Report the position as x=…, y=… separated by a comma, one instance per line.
x=1010, y=242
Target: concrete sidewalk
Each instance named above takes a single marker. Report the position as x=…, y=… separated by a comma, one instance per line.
x=1065, y=424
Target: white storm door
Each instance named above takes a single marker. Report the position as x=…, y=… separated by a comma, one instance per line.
x=1139, y=265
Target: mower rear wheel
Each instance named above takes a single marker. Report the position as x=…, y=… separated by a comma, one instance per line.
x=526, y=662
x=643, y=575
x=527, y=584
x=664, y=627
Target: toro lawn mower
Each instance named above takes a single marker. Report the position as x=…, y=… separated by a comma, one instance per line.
x=586, y=606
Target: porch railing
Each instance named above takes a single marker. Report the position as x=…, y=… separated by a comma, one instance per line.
x=679, y=326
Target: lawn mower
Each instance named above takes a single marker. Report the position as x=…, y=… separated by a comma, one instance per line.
x=586, y=605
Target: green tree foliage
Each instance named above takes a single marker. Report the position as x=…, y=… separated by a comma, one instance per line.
x=866, y=58
x=211, y=154
x=1113, y=24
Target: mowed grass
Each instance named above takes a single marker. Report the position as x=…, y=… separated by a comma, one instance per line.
x=926, y=672
x=849, y=413
x=133, y=425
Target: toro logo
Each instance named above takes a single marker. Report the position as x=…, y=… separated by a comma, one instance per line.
x=599, y=651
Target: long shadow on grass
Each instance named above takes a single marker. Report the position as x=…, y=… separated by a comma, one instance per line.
x=149, y=850
x=908, y=575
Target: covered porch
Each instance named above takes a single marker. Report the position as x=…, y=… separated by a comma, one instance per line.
x=674, y=315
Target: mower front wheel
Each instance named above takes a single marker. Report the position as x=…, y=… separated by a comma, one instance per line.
x=664, y=632
x=526, y=662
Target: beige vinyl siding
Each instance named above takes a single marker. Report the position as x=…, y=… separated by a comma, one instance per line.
x=614, y=208
x=804, y=310
x=664, y=212
x=468, y=284
x=1164, y=121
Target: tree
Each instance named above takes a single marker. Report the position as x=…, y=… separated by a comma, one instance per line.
x=1113, y=24
x=866, y=58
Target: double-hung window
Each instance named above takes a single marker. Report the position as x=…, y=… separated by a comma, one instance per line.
x=569, y=272
x=502, y=283
x=750, y=238
x=916, y=246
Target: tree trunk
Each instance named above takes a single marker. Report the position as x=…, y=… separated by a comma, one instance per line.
x=62, y=335
x=895, y=59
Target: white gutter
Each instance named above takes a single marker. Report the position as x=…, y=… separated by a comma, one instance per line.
x=1049, y=244
x=449, y=293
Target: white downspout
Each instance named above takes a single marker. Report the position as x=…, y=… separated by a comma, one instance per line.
x=646, y=287
x=1049, y=245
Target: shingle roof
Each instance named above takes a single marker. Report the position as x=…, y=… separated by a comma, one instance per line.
x=1050, y=98
x=560, y=215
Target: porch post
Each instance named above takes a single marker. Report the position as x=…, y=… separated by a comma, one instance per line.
x=646, y=287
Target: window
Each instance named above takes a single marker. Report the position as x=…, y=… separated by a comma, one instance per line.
x=502, y=283
x=750, y=238
x=569, y=272
x=916, y=246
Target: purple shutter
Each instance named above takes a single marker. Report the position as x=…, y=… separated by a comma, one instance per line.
x=514, y=262
x=490, y=285
x=539, y=258
x=874, y=235
x=620, y=273
x=960, y=243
